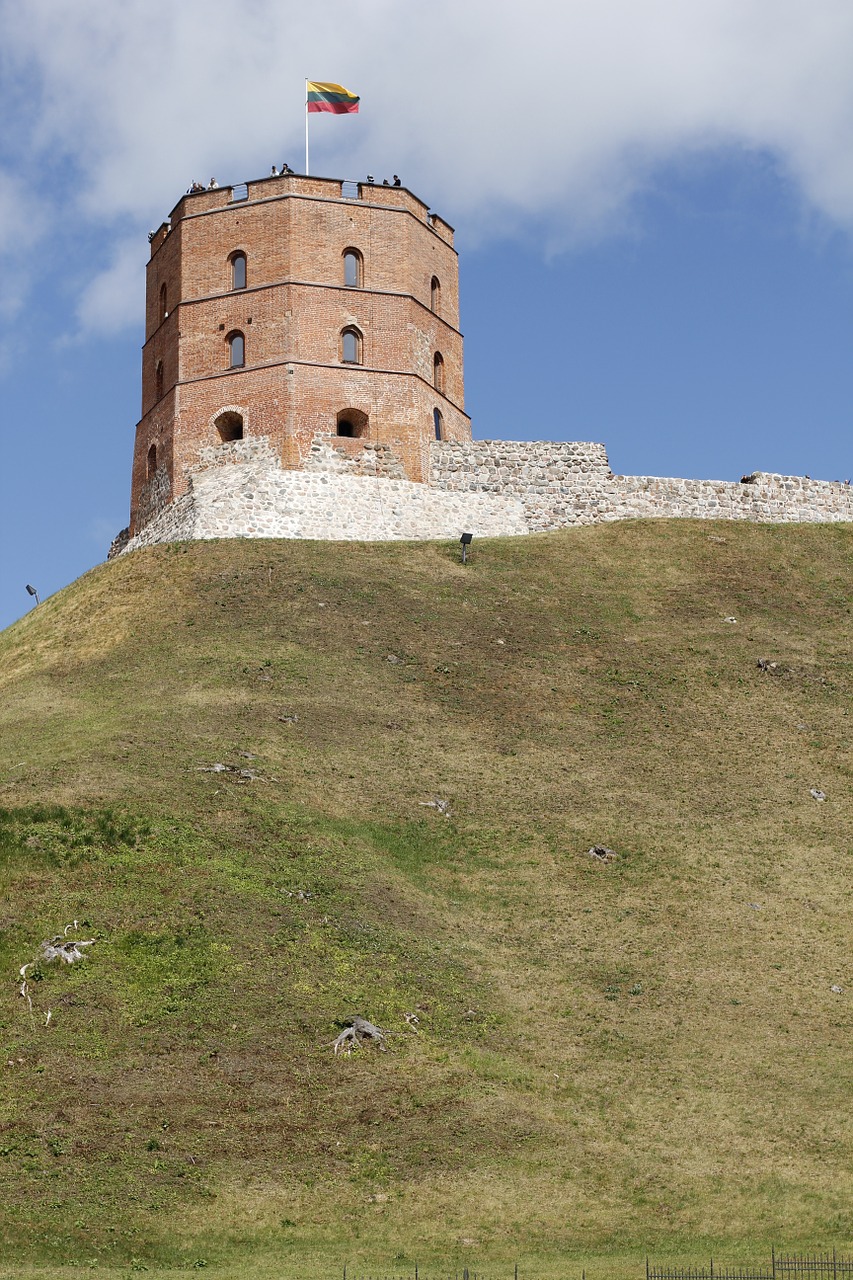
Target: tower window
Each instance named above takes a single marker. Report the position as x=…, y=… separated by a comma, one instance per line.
x=238, y=270
x=164, y=304
x=438, y=372
x=158, y=380
x=229, y=426
x=351, y=346
x=353, y=269
x=351, y=422
x=151, y=465
x=237, y=351
x=438, y=423
x=435, y=295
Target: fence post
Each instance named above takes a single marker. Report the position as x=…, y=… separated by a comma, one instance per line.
x=773, y=1260
x=833, y=1262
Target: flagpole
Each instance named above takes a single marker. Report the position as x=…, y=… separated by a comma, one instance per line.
x=306, y=126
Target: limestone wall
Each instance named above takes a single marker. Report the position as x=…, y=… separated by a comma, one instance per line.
x=257, y=499
x=765, y=498
x=560, y=485
x=350, y=489
x=556, y=482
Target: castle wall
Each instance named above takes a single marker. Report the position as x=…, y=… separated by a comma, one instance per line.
x=239, y=490
x=351, y=489
x=565, y=484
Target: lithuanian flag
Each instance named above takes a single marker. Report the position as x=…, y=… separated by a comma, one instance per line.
x=331, y=97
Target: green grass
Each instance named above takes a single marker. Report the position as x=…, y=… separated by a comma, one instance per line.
x=609, y=1060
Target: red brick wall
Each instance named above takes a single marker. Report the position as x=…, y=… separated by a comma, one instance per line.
x=294, y=232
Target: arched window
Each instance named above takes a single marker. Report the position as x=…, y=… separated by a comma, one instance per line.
x=164, y=305
x=351, y=346
x=438, y=423
x=435, y=295
x=238, y=270
x=158, y=380
x=237, y=350
x=151, y=465
x=230, y=426
x=438, y=372
x=351, y=422
x=353, y=269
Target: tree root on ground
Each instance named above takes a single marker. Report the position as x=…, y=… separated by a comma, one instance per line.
x=359, y=1031
x=61, y=947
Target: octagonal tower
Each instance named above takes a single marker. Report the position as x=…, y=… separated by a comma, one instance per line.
x=291, y=309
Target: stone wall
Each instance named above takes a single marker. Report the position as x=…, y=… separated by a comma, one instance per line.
x=351, y=489
x=353, y=457
x=244, y=493
x=153, y=497
x=765, y=498
x=560, y=485
x=554, y=481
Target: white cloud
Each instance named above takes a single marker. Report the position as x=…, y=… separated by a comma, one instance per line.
x=22, y=224
x=503, y=115
x=115, y=297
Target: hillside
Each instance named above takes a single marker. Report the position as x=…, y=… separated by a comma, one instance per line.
x=644, y=1055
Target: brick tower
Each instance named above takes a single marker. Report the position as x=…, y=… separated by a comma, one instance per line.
x=293, y=308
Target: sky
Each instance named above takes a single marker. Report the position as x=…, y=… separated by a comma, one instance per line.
x=653, y=203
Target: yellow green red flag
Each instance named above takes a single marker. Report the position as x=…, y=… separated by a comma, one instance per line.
x=323, y=96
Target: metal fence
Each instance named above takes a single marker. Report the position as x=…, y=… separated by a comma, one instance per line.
x=815, y=1264
x=712, y=1272
x=436, y=1274
x=821, y=1266
x=782, y=1266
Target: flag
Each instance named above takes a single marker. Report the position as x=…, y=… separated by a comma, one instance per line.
x=331, y=97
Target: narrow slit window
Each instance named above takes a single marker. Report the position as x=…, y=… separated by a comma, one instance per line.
x=164, y=302
x=158, y=380
x=238, y=271
x=438, y=372
x=152, y=463
x=438, y=423
x=435, y=295
x=237, y=351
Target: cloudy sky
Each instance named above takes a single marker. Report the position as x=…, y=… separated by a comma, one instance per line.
x=653, y=202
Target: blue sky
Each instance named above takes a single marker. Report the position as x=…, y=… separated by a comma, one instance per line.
x=653, y=202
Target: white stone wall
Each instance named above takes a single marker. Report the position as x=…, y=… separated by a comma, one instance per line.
x=256, y=500
x=488, y=488
x=560, y=485
x=767, y=498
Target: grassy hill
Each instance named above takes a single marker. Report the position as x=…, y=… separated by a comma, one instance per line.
x=610, y=1059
